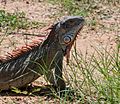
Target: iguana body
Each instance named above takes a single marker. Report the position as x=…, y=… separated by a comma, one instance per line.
x=23, y=65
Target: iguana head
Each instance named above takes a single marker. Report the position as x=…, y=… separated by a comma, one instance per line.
x=67, y=31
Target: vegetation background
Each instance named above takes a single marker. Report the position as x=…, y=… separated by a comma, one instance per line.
x=94, y=69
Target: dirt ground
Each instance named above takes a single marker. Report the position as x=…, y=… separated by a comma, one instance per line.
x=102, y=35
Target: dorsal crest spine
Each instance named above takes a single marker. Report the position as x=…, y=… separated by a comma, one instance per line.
x=22, y=50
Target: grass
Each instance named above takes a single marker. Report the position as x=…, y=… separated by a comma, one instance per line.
x=82, y=7
x=15, y=21
x=88, y=9
x=97, y=78
x=71, y=6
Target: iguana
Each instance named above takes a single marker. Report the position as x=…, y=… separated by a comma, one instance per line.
x=45, y=56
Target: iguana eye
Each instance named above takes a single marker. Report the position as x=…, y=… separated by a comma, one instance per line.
x=68, y=24
x=71, y=22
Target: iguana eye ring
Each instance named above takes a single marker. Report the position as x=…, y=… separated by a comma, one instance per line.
x=67, y=39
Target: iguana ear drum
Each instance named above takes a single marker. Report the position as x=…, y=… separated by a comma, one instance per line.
x=67, y=39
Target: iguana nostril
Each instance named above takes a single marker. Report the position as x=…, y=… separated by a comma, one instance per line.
x=67, y=39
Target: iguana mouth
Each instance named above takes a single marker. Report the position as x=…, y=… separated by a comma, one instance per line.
x=69, y=46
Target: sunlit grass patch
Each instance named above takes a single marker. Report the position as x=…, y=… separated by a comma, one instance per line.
x=16, y=21
x=95, y=78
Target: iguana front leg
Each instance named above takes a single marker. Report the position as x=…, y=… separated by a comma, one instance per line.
x=59, y=81
x=55, y=76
